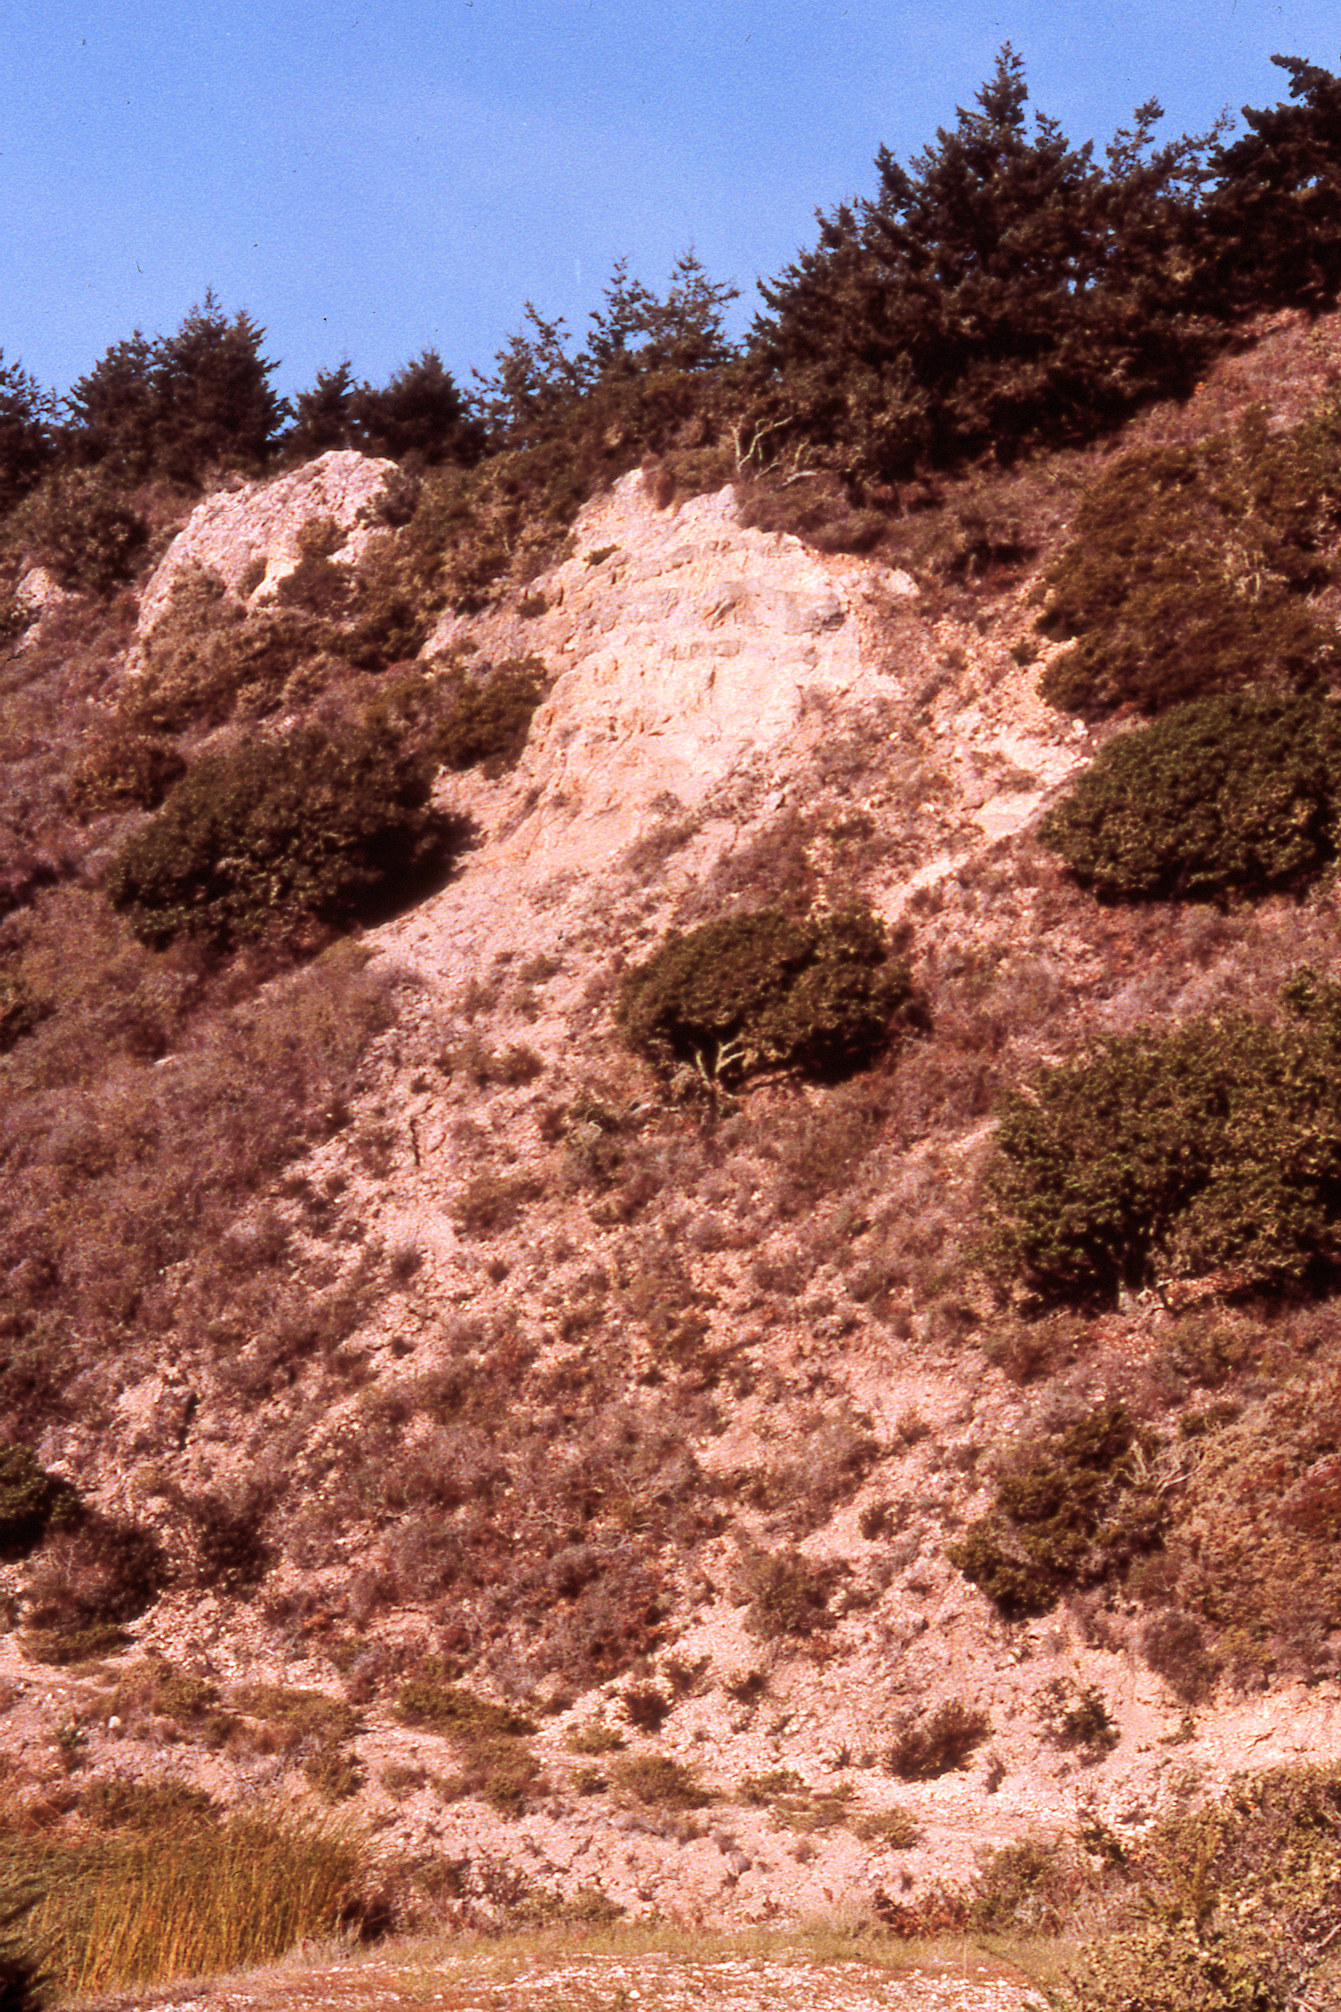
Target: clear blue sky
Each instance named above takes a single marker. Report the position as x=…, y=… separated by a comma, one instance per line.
x=371, y=177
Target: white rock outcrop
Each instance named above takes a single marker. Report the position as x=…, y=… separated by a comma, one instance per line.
x=250, y=536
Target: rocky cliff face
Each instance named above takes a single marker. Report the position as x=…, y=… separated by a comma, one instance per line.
x=664, y=1417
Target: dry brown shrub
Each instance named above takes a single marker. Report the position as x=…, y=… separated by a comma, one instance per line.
x=114, y=1170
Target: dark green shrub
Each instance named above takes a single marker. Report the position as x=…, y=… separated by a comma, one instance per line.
x=1164, y=1155
x=941, y=1743
x=1230, y=1906
x=1231, y=794
x=1184, y=571
x=31, y=1501
x=278, y=834
x=82, y=530
x=127, y=770
x=658, y=1780
x=1069, y=1511
x=490, y=716
x=764, y=991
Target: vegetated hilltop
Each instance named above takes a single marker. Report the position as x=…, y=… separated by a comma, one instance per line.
x=672, y=1161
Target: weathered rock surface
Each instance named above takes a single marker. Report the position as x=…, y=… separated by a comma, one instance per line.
x=249, y=536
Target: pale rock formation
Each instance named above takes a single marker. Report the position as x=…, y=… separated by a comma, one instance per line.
x=40, y=593
x=250, y=536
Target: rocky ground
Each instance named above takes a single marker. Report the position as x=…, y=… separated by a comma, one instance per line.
x=601, y=1984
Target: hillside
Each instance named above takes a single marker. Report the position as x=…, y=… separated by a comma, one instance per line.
x=601, y=1476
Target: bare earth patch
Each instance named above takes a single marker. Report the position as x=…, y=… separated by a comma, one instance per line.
x=592, y=1983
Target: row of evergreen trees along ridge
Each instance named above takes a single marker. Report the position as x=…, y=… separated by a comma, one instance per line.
x=1002, y=290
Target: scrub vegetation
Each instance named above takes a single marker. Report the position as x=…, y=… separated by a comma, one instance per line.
x=1059, y=1153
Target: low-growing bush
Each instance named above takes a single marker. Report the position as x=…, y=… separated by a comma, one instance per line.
x=764, y=991
x=125, y=770
x=278, y=835
x=1083, y=1722
x=1174, y=1645
x=298, y=1720
x=1072, y=1508
x=895, y=1828
x=101, y=1572
x=1235, y=794
x=1252, y=1560
x=82, y=529
x=1162, y=1155
x=793, y=1804
x=31, y=1501
x=1184, y=572
x=489, y=1204
x=658, y=1780
x=443, y=1707
x=20, y=1009
x=1027, y=1888
x=489, y=719
x=788, y=1593
x=491, y=1740
x=208, y=655
x=1230, y=1906
x=942, y=1742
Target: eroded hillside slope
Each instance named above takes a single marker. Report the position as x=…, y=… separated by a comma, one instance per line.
x=562, y=1466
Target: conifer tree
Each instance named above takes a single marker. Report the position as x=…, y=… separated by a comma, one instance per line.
x=322, y=419
x=1270, y=232
x=27, y=443
x=420, y=412
x=1003, y=288
x=181, y=405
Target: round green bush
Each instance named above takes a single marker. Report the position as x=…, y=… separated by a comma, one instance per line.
x=280, y=833
x=1231, y=794
x=1171, y=1154
x=764, y=991
x=80, y=526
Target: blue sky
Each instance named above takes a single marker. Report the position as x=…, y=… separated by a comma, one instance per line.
x=369, y=180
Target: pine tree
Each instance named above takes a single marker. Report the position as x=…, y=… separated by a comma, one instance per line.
x=182, y=405
x=27, y=443
x=420, y=412
x=214, y=404
x=1270, y=232
x=539, y=378
x=112, y=410
x=1003, y=288
x=322, y=419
